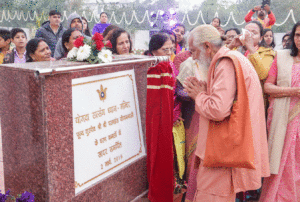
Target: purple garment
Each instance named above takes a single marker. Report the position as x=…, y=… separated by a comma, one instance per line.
x=99, y=28
x=19, y=60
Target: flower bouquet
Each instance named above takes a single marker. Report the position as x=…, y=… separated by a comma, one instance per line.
x=92, y=51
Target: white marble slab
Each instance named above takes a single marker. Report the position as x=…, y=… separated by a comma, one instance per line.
x=106, y=126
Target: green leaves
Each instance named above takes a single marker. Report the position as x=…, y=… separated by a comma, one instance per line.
x=94, y=59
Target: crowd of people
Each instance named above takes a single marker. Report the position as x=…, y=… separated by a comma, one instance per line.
x=53, y=42
x=222, y=78
x=228, y=84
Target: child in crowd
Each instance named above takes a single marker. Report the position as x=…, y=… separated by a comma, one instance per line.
x=4, y=43
x=18, y=54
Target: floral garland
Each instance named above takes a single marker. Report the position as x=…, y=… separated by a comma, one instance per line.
x=7, y=16
x=92, y=51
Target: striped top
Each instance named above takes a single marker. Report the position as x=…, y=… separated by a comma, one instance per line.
x=160, y=76
x=17, y=59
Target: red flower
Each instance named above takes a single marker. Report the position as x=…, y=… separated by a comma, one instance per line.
x=108, y=44
x=97, y=37
x=79, y=42
x=99, y=45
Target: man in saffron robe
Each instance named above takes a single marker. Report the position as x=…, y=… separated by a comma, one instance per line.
x=214, y=101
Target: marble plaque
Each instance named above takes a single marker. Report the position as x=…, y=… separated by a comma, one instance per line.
x=107, y=133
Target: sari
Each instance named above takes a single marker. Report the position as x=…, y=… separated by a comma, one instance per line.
x=285, y=186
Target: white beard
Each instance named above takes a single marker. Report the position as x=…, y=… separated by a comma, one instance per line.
x=203, y=60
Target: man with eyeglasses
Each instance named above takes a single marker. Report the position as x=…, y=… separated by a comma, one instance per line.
x=286, y=41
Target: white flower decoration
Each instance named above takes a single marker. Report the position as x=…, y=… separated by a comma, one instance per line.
x=72, y=53
x=105, y=55
x=83, y=52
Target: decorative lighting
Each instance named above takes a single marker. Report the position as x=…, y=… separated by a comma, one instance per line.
x=172, y=22
x=172, y=11
x=6, y=15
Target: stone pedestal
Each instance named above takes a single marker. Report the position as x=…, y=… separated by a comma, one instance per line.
x=37, y=131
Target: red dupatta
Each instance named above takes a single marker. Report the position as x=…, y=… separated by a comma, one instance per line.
x=159, y=138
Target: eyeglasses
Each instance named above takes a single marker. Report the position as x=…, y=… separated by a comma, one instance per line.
x=230, y=36
x=167, y=50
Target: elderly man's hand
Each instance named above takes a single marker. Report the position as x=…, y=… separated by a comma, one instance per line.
x=193, y=87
